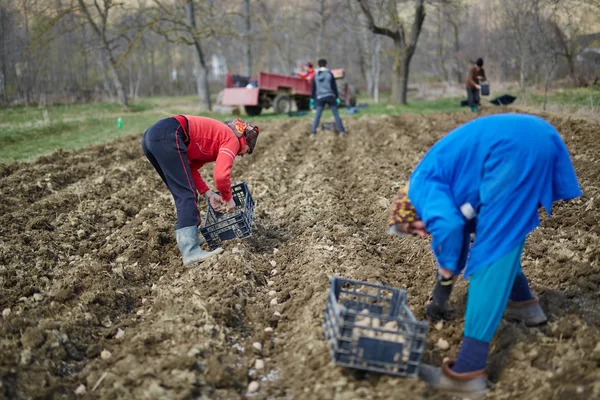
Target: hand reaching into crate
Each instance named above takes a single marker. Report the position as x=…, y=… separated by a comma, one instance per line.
x=215, y=200
x=229, y=206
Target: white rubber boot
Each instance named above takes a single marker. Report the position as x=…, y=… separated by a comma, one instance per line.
x=189, y=246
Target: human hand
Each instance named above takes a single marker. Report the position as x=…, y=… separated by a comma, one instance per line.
x=478, y=86
x=216, y=202
x=230, y=205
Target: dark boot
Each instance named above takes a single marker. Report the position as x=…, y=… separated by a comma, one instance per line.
x=529, y=312
x=470, y=384
x=189, y=245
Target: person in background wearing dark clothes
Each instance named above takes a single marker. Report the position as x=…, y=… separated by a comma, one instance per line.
x=474, y=78
x=324, y=91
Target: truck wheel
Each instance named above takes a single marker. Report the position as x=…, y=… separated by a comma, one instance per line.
x=282, y=104
x=253, y=110
x=303, y=104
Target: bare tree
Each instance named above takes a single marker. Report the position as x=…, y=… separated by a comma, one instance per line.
x=100, y=25
x=181, y=27
x=369, y=50
x=404, y=45
x=519, y=15
x=199, y=61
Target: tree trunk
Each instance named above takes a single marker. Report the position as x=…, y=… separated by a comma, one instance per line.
x=247, y=40
x=366, y=58
x=404, y=71
x=404, y=47
x=321, y=31
x=376, y=65
x=571, y=65
x=457, y=64
x=3, y=56
x=200, y=68
x=106, y=51
x=522, y=72
x=152, y=72
x=441, y=50
x=116, y=81
x=397, y=74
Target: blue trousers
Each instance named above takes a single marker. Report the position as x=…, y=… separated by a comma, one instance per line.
x=319, y=106
x=489, y=290
x=164, y=146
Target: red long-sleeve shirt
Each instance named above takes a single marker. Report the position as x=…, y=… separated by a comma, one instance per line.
x=212, y=140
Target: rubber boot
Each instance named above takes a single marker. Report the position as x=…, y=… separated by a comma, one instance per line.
x=529, y=312
x=189, y=245
x=470, y=384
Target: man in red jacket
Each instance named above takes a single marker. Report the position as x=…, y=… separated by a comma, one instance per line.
x=178, y=147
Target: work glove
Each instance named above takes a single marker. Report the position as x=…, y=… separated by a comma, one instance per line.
x=438, y=308
x=337, y=102
x=311, y=103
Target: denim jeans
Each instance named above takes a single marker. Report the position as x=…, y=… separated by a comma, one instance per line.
x=320, y=105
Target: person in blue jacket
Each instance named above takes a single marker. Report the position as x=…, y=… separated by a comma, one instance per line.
x=487, y=178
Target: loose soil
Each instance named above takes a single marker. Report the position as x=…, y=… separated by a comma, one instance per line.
x=93, y=292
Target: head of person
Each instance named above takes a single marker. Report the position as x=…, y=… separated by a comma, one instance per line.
x=308, y=65
x=403, y=216
x=246, y=133
x=322, y=63
x=479, y=62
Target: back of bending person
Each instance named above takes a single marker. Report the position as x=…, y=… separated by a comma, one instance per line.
x=487, y=177
x=177, y=148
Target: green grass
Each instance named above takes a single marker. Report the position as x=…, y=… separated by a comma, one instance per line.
x=573, y=99
x=29, y=132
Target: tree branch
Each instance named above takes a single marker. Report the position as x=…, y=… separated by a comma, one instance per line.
x=371, y=23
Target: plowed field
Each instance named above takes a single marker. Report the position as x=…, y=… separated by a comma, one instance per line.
x=93, y=291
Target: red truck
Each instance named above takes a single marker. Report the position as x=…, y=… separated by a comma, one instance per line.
x=278, y=91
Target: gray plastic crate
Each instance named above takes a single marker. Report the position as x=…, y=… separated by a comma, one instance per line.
x=370, y=327
x=219, y=227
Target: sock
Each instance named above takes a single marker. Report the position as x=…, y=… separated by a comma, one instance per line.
x=472, y=356
x=520, y=290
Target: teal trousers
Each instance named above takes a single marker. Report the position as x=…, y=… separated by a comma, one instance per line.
x=489, y=290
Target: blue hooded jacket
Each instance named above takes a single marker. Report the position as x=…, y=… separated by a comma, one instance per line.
x=489, y=177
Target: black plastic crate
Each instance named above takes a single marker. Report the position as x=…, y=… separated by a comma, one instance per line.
x=219, y=227
x=329, y=126
x=370, y=327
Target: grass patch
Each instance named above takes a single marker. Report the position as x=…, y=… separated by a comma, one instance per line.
x=570, y=100
x=29, y=132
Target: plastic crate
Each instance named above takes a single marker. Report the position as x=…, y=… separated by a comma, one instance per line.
x=329, y=126
x=219, y=227
x=370, y=327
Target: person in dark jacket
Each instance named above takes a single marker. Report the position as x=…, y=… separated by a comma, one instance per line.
x=474, y=78
x=324, y=92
